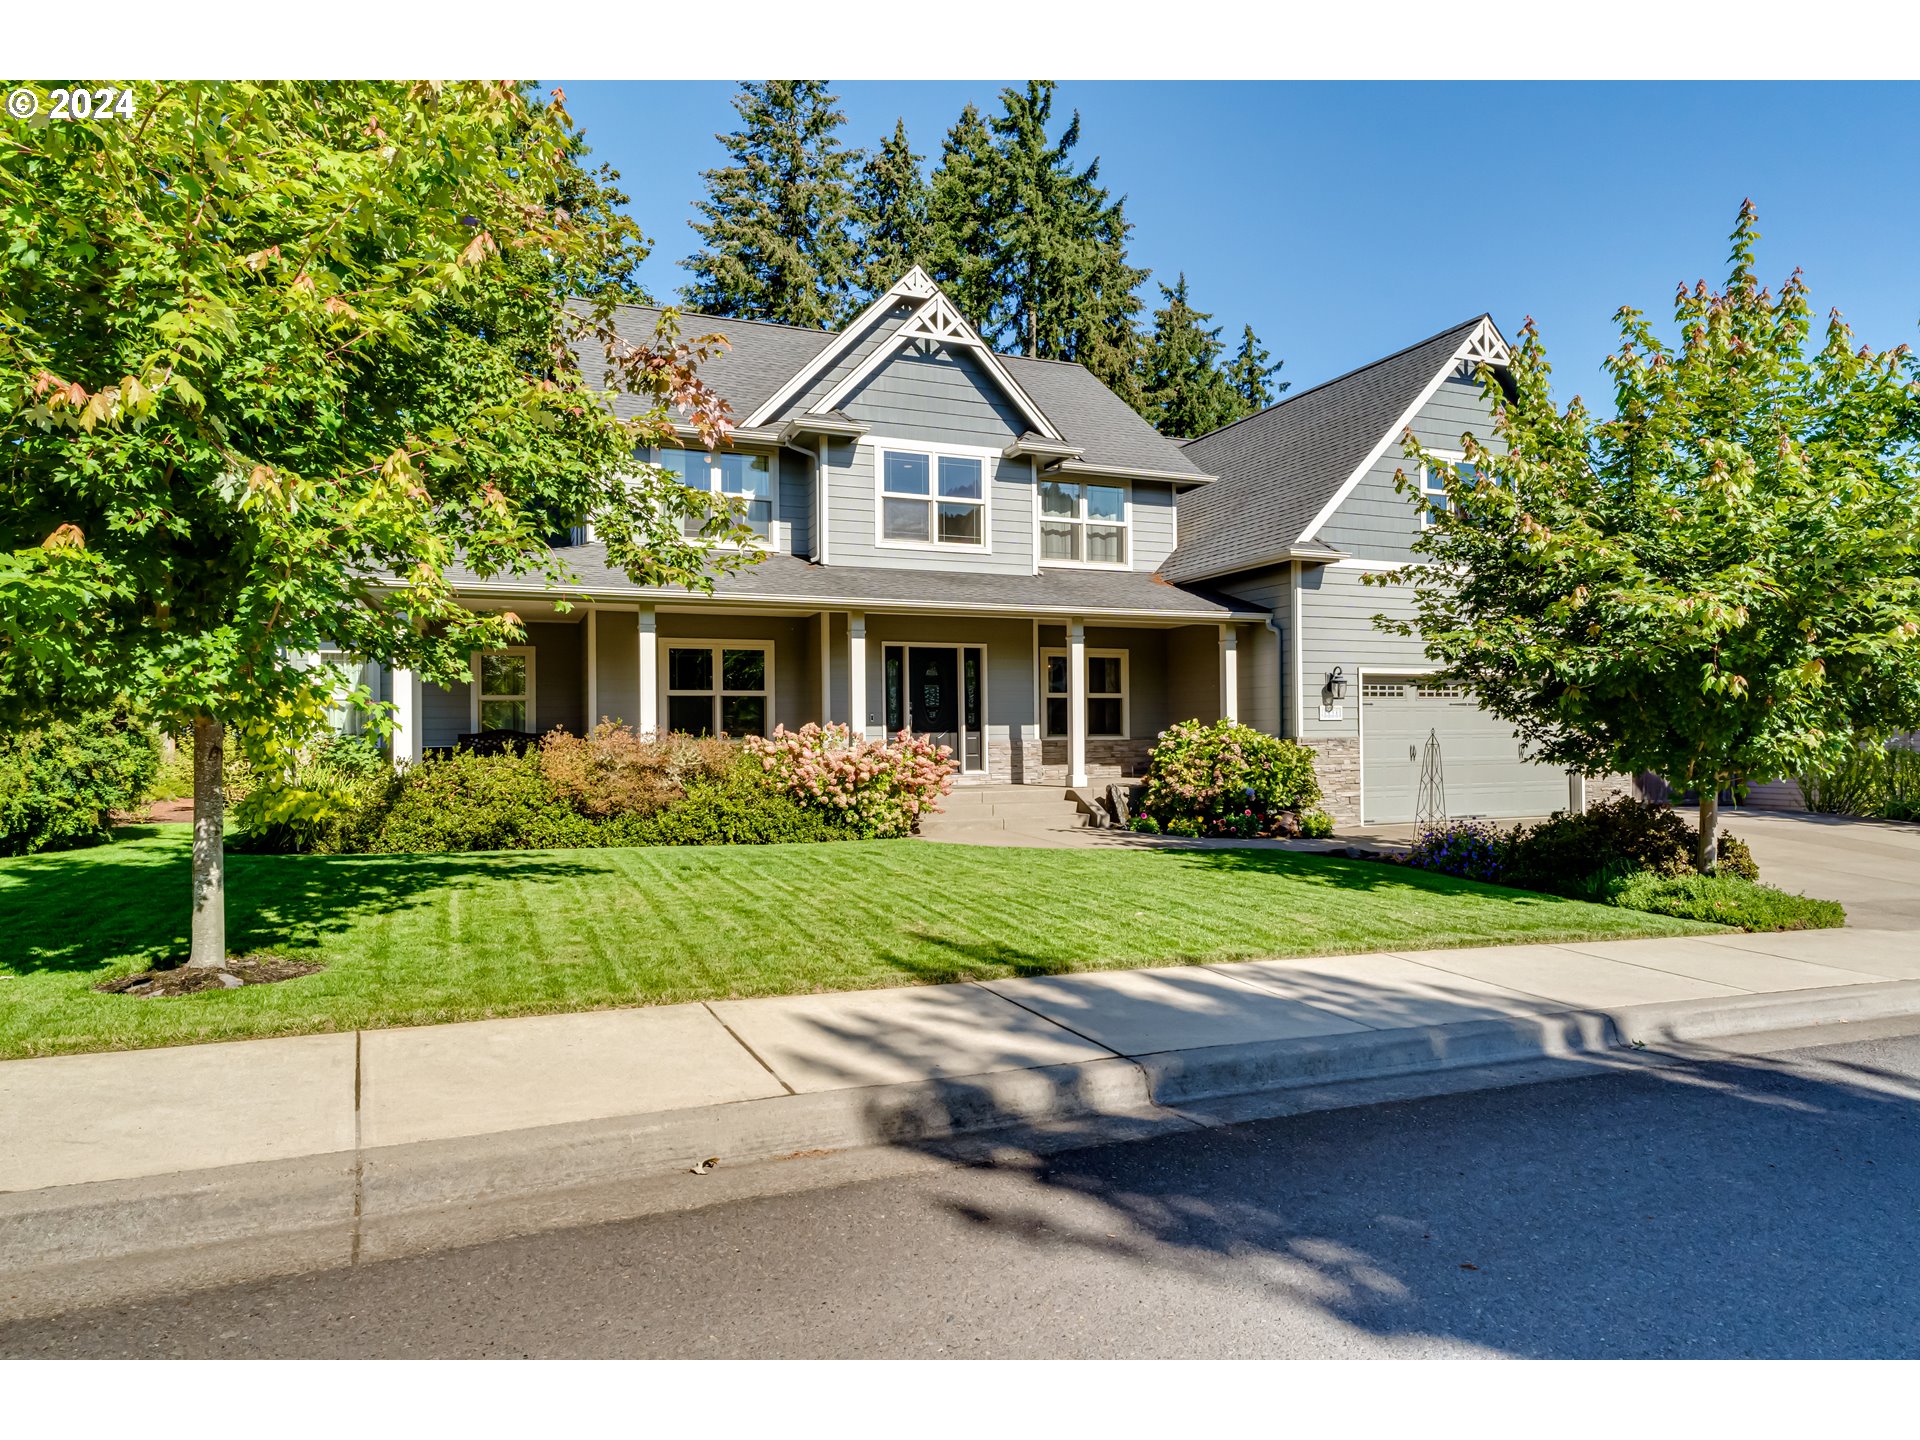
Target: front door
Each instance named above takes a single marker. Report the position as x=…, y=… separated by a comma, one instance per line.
x=934, y=691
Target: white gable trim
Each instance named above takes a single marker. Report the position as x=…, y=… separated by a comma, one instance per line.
x=1483, y=345
x=934, y=319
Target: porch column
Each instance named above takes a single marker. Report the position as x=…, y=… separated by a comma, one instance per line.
x=593, y=669
x=1229, y=672
x=826, y=667
x=649, y=671
x=857, y=673
x=1076, y=703
x=406, y=719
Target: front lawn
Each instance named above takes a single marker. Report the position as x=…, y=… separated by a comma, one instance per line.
x=418, y=939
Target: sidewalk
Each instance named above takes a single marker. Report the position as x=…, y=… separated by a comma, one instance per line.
x=316, y=1150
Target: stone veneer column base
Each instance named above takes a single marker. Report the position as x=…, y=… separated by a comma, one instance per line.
x=1106, y=760
x=1337, y=764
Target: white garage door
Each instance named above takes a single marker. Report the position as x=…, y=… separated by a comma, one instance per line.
x=1481, y=758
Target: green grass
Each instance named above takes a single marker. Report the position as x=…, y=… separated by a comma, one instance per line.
x=414, y=940
x=1725, y=900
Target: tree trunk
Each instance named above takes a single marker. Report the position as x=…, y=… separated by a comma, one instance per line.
x=209, y=860
x=1707, y=851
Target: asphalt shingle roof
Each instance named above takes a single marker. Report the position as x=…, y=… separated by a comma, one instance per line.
x=787, y=578
x=762, y=357
x=1279, y=467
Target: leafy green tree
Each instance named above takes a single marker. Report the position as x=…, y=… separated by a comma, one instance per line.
x=1250, y=375
x=1063, y=286
x=1184, y=390
x=961, y=195
x=778, y=237
x=890, y=209
x=274, y=357
x=1722, y=580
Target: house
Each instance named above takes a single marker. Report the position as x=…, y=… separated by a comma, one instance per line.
x=997, y=551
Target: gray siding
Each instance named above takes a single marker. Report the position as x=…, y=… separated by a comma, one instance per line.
x=1262, y=661
x=796, y=503
x=617, y=646
x=853, y=501
x=1193, y=673
x=1153, y=516
x=1378, y=522
x=1337, y=628
x=559, y=676
x=445, y=714
x=942, y=397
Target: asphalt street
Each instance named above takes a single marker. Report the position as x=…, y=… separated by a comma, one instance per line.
x=1758, y=1205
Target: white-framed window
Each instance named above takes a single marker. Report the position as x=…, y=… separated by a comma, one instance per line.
x=1106, y=693
x=343, y=716
x=503, y=690
x=717, y=687
x=732, y=473
x=1082, y=524
x=1433, y=484
x=932, y=498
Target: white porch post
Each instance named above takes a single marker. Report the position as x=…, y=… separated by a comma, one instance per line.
x=1229, y=672
x=1076, y=703
x=593, y=669
x=857, y=673
x=649, y=672
x=826, y=667
x=406, y=718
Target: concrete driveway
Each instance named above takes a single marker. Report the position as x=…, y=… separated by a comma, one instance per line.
x=1870, y=866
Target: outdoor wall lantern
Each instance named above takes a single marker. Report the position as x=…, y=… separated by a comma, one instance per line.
x=1336, y=687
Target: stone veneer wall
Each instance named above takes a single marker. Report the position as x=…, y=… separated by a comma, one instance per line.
x=1337, y=764
x=1611, y=787
x=1106, y=760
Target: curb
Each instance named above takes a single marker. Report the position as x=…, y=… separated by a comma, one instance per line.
x=114, y=1241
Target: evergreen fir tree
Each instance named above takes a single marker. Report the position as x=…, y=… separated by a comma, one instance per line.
x=1064, y=289
x=778, y=236
x=1250, y=376
x=1184, y=390
x=961, y=199
x=890, y=213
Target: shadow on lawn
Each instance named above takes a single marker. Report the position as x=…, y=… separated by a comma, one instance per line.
x=124, y=906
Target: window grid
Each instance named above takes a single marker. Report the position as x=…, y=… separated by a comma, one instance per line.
x=719, y=689
x=1106, y=694
x=737, y=476
x=932, y=499
x=1082, y=524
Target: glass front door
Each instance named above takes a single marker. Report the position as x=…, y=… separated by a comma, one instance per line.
x=935, y=691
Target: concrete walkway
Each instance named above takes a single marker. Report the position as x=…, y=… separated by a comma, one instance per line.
x=80, y=1119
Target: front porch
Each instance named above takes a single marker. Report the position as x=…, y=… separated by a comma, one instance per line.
x=1020, y=699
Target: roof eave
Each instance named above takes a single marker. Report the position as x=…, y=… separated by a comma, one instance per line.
x=1315, y=554
x=1129, y=472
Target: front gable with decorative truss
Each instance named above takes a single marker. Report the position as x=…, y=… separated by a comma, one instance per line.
x=914, y=316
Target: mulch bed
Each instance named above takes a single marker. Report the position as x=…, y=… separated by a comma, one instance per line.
x=180, y=980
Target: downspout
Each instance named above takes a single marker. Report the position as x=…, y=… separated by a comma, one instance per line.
x=1280, y=648
x=820, y=502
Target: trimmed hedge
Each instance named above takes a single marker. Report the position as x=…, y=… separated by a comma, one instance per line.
x=60, y=780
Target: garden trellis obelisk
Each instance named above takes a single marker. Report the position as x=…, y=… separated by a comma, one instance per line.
x=1430, y=807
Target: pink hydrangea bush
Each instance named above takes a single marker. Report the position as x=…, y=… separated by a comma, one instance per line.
x=878, y=788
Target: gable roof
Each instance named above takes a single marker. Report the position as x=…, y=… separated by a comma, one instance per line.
x=767, y=362
x=1283, y=469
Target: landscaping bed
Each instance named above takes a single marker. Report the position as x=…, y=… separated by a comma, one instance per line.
x=421, y=939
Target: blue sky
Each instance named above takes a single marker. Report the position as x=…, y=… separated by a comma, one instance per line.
x=1344, y=221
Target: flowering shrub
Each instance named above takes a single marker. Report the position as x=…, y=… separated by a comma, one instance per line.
x=1316, y=824
x=615, y=771
x=1470, y=849
x=878, y=788
x=1226, y=779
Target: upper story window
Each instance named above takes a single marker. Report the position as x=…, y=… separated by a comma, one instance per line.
x=1433, y=484
x=930, y=498
x=731, y=473
x=1082, y=524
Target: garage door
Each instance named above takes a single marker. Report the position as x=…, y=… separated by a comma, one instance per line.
x=1481, y=758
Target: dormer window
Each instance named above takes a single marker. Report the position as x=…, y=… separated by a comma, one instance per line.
x=932, y=498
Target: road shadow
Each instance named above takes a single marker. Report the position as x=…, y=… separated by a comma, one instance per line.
x=1692, y=1205
x=125, y=905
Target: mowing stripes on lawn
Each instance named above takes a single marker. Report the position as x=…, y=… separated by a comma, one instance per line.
x=421, y=939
